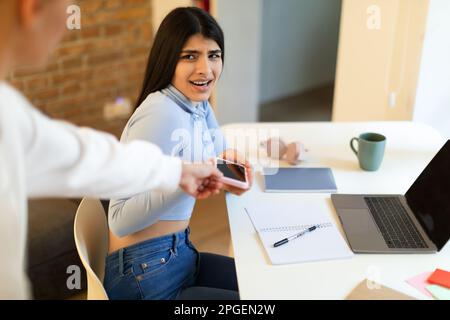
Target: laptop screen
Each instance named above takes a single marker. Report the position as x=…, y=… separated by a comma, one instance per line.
x=429, y=197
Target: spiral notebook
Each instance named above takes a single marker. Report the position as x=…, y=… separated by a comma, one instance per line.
x=274, y=220
x=300, y=180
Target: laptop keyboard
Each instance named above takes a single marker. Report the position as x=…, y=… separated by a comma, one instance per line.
x=395, y=224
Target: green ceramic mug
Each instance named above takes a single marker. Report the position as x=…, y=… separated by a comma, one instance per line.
x=370, y=150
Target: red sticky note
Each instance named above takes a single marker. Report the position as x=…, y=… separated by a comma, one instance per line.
x=440, y=277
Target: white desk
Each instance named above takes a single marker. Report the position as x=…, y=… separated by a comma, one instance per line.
x=410, y=146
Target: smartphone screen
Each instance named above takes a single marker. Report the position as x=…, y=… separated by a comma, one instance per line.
x=232, y=171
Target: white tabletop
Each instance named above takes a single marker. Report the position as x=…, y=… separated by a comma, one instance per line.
x=410, y=146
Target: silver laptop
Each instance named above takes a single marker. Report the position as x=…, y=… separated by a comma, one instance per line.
x=418, y=222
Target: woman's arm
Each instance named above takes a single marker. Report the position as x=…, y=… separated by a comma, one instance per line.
x=158, y=124
x=130, y=215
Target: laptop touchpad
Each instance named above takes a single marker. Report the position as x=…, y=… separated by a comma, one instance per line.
x=361, y=230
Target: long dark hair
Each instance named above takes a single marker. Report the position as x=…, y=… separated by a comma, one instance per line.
x=177, y=27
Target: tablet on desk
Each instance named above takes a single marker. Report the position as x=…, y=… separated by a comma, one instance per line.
x=300, y=180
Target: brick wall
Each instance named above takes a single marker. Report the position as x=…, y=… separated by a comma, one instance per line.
x=95, y=65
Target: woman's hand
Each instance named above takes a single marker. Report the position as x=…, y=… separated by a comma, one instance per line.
x=200, y=180
x=234, y=156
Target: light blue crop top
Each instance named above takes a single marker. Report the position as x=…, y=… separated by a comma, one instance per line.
x=168, y=119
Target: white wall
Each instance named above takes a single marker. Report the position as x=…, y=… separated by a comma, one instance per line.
x=433, y=91
x=160, y=9
x=299, y=46
x=238, y=88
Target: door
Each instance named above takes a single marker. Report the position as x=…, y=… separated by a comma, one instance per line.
x=379, y=56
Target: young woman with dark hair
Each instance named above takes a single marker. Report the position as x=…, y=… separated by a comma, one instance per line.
x=151, y=256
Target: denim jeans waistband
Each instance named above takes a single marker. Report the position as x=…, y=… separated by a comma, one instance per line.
x=171, y=241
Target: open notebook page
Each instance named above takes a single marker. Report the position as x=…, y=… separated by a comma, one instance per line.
x=275, y=220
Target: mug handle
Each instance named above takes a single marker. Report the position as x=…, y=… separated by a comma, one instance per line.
x=352, y=146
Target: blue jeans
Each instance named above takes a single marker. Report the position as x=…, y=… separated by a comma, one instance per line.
x=163, y=268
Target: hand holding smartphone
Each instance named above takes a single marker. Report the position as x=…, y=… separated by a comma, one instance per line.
x=234, y=174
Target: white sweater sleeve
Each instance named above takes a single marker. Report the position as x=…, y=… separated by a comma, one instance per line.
x=68, y=161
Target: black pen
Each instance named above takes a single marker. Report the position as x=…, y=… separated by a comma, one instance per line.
x=295, y=236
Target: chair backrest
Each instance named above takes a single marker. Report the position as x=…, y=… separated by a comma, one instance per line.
x=92, y=240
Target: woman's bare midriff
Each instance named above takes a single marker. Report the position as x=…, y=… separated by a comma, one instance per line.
x=156, y=230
